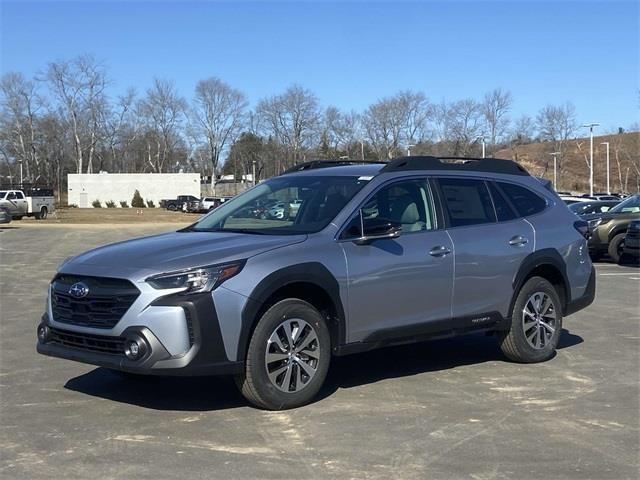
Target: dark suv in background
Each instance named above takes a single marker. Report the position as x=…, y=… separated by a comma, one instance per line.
x=372, y=255
x=608, y=230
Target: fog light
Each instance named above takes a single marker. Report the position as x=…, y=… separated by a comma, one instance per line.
x=43, y=333
x=134, y=348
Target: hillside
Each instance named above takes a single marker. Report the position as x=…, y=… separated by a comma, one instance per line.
x=573, y=170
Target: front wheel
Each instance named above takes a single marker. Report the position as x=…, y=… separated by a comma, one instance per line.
x=616, y=247
x=288, y=357
x=536, y=323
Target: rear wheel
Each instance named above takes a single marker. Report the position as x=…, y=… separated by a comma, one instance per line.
x=288, y=357
x=536, y=323
x=616, y=247
x=42, y=214
x=171, y=207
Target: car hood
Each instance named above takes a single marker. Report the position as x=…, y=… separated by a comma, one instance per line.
x=172, y=251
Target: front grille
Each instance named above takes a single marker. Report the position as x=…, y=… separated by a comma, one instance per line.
x=105, y=304
x=87, y=342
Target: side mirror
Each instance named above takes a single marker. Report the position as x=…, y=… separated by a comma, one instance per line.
x=377, y=229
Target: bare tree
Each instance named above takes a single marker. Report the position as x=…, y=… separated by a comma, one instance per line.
x=292, y=118
x=416, y=111
x=557, y=124
x=495, y=108
x=18, y=121
x=339, y=130
x=162, y=113
x=382, y=123
x=218, y=116
x=78, y=85
x=463, y=125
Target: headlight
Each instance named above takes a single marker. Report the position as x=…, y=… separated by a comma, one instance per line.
x=594, y=223
x=196, y=280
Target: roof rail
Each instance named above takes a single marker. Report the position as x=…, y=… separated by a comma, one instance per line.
x=490, y=165
x=313, y=164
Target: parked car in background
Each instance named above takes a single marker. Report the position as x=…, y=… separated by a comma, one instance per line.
x=209, y=203
x=631, y=249
x=377, y=255
x=588, y=208
x=35, y=202
x=571, y=199
x=178, y=203
x=600, y=197
x=277, y=211
x=5, y=215
x=608, y=229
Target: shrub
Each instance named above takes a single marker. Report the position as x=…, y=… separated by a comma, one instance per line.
x=124, y=204
x=96, y=204
x=110, y=204
x=137, y=201
x=150, y=204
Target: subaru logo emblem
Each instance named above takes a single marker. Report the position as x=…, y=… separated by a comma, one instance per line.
x=79, y=290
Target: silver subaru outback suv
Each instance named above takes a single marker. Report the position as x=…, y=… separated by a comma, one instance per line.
x=358, y=256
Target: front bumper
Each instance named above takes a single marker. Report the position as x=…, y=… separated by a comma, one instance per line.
x=205, y=356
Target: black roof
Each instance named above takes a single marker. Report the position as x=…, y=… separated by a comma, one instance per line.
x=487, y=165
x=490, y=165
x=314, y=164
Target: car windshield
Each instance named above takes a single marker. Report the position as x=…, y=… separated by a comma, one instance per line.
x=2, y=193
x=630, y=205
x=287, y=205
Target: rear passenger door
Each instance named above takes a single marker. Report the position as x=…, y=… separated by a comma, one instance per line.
x=490, y=242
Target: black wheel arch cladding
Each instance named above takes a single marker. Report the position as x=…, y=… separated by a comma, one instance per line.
x=542, y=258
x=313, y=273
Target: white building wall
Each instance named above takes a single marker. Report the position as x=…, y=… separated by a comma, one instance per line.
x=84, y=188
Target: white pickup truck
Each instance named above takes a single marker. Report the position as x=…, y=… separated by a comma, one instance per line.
x=36, y=202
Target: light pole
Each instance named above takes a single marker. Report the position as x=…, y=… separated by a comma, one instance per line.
x=20, y=173
x=409, y=149
x=555, y=169
x=362, y=149
x=253, y=173
x=481, y=137
x=608, y=187
x=590, y=127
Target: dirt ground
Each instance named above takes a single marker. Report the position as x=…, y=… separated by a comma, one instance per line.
x=110, y=216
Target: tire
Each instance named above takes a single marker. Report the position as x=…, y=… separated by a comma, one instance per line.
x=42, y=215
x=297, y=368
x=533, y=336
x=616, y=246
x=172, y=207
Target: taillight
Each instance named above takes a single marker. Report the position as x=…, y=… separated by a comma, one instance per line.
x=583, y=228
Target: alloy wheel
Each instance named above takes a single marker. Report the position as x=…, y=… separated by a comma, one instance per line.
x=539, y=320
x=292, y=355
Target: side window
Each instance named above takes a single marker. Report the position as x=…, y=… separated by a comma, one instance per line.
x=524, y=200
x=407, y=203
x=467, y=201
x=11, y=196
x=19, y=195
x=503, y=209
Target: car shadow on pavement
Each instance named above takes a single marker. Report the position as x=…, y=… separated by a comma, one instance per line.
x=219, y=393
x=418, y=358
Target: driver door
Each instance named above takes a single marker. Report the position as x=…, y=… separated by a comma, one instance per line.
x=398, y=286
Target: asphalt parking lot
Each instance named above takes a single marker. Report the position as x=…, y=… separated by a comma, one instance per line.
x=446, y=409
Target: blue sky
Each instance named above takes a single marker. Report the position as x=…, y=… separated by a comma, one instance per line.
x=350, y=54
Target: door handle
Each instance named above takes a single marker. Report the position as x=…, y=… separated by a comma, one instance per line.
x=439, y=251
x=518, y=241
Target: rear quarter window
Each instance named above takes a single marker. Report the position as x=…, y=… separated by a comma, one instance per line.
x=524, y=200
